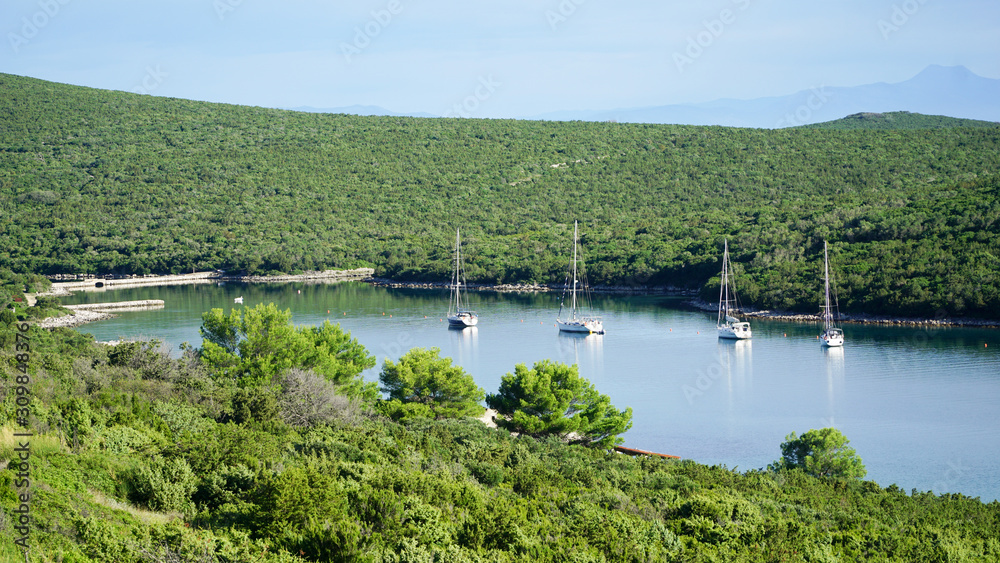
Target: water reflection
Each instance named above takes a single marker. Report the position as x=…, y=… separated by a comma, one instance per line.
x=573, y=344
x=736, y=363
x=834, y=379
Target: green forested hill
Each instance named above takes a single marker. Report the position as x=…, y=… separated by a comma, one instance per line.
x=97, y=181
x=899, y=120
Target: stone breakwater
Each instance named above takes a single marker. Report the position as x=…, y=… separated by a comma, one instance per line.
x=324, y=276
x=536, y=288
x=851, y=318
x=102, y=284
x=90, y=312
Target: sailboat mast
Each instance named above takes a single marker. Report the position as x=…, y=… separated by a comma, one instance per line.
x=826, y=278
x=574, y=270
x=457, y=279
x=723, y=288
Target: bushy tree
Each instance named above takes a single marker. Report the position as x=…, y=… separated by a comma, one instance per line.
x=255, y=346
x=821, y=453
x=552, y=399
x=424, y=384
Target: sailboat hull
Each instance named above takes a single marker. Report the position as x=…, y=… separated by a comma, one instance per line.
x=589, y=326
x=832, y=338
x=738, y=331
x=463, y=320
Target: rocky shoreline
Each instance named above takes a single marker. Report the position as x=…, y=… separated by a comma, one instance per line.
x=102, y=284
x=853, y=318
x=537, y=288
x=366, y=275
x=90, y=312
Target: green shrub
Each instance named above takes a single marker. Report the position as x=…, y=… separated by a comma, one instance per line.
x=164, y=485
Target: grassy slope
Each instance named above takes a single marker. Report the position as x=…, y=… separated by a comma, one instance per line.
x=108, y=181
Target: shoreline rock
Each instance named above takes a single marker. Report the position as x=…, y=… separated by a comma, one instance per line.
x=537, y=288
x=853, y=318
x=367, y=275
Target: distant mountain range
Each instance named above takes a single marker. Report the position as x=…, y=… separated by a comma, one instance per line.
x=953, y=91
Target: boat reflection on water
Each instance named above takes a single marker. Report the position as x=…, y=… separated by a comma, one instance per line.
x=736, y=363
x=572, y=344
x=834, y=379
x=465, y=341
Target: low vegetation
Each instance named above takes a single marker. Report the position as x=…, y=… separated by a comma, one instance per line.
x=139, y=457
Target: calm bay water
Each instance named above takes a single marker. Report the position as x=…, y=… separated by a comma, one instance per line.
x=920, y=406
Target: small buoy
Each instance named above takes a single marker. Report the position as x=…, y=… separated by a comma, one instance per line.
x=785, y=334
x=383, y=314
x=699, y=332
x=671, y=330
x=817, y=337
x=300, y=292
x=327, y=311
x=390, y=316
x=345, y=313
x=425, y=316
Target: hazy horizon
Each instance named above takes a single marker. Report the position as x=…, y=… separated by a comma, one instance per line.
x=520, y=59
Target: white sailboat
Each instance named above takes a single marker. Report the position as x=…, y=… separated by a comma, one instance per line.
x=459, y=314
x=729, y=327
x=832, y=335
x=575, y=323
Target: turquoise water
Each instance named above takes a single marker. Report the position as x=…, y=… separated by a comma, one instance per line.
x=920, y=406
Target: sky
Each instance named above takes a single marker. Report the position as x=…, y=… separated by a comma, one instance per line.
x=509, y=59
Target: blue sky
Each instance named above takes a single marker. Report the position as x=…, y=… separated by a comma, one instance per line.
x=515, y=58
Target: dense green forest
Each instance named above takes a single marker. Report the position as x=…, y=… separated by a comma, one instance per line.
x=100, y=182
x=137, y=457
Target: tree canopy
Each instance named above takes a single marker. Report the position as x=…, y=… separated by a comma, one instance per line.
x=552, y=399
x=254, y=346
x=821, y=453
x=423, y=383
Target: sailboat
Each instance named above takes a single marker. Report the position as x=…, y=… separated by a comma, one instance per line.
x=459, y=314
x=729, y=327
x=832, y=335
x=584, y=324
